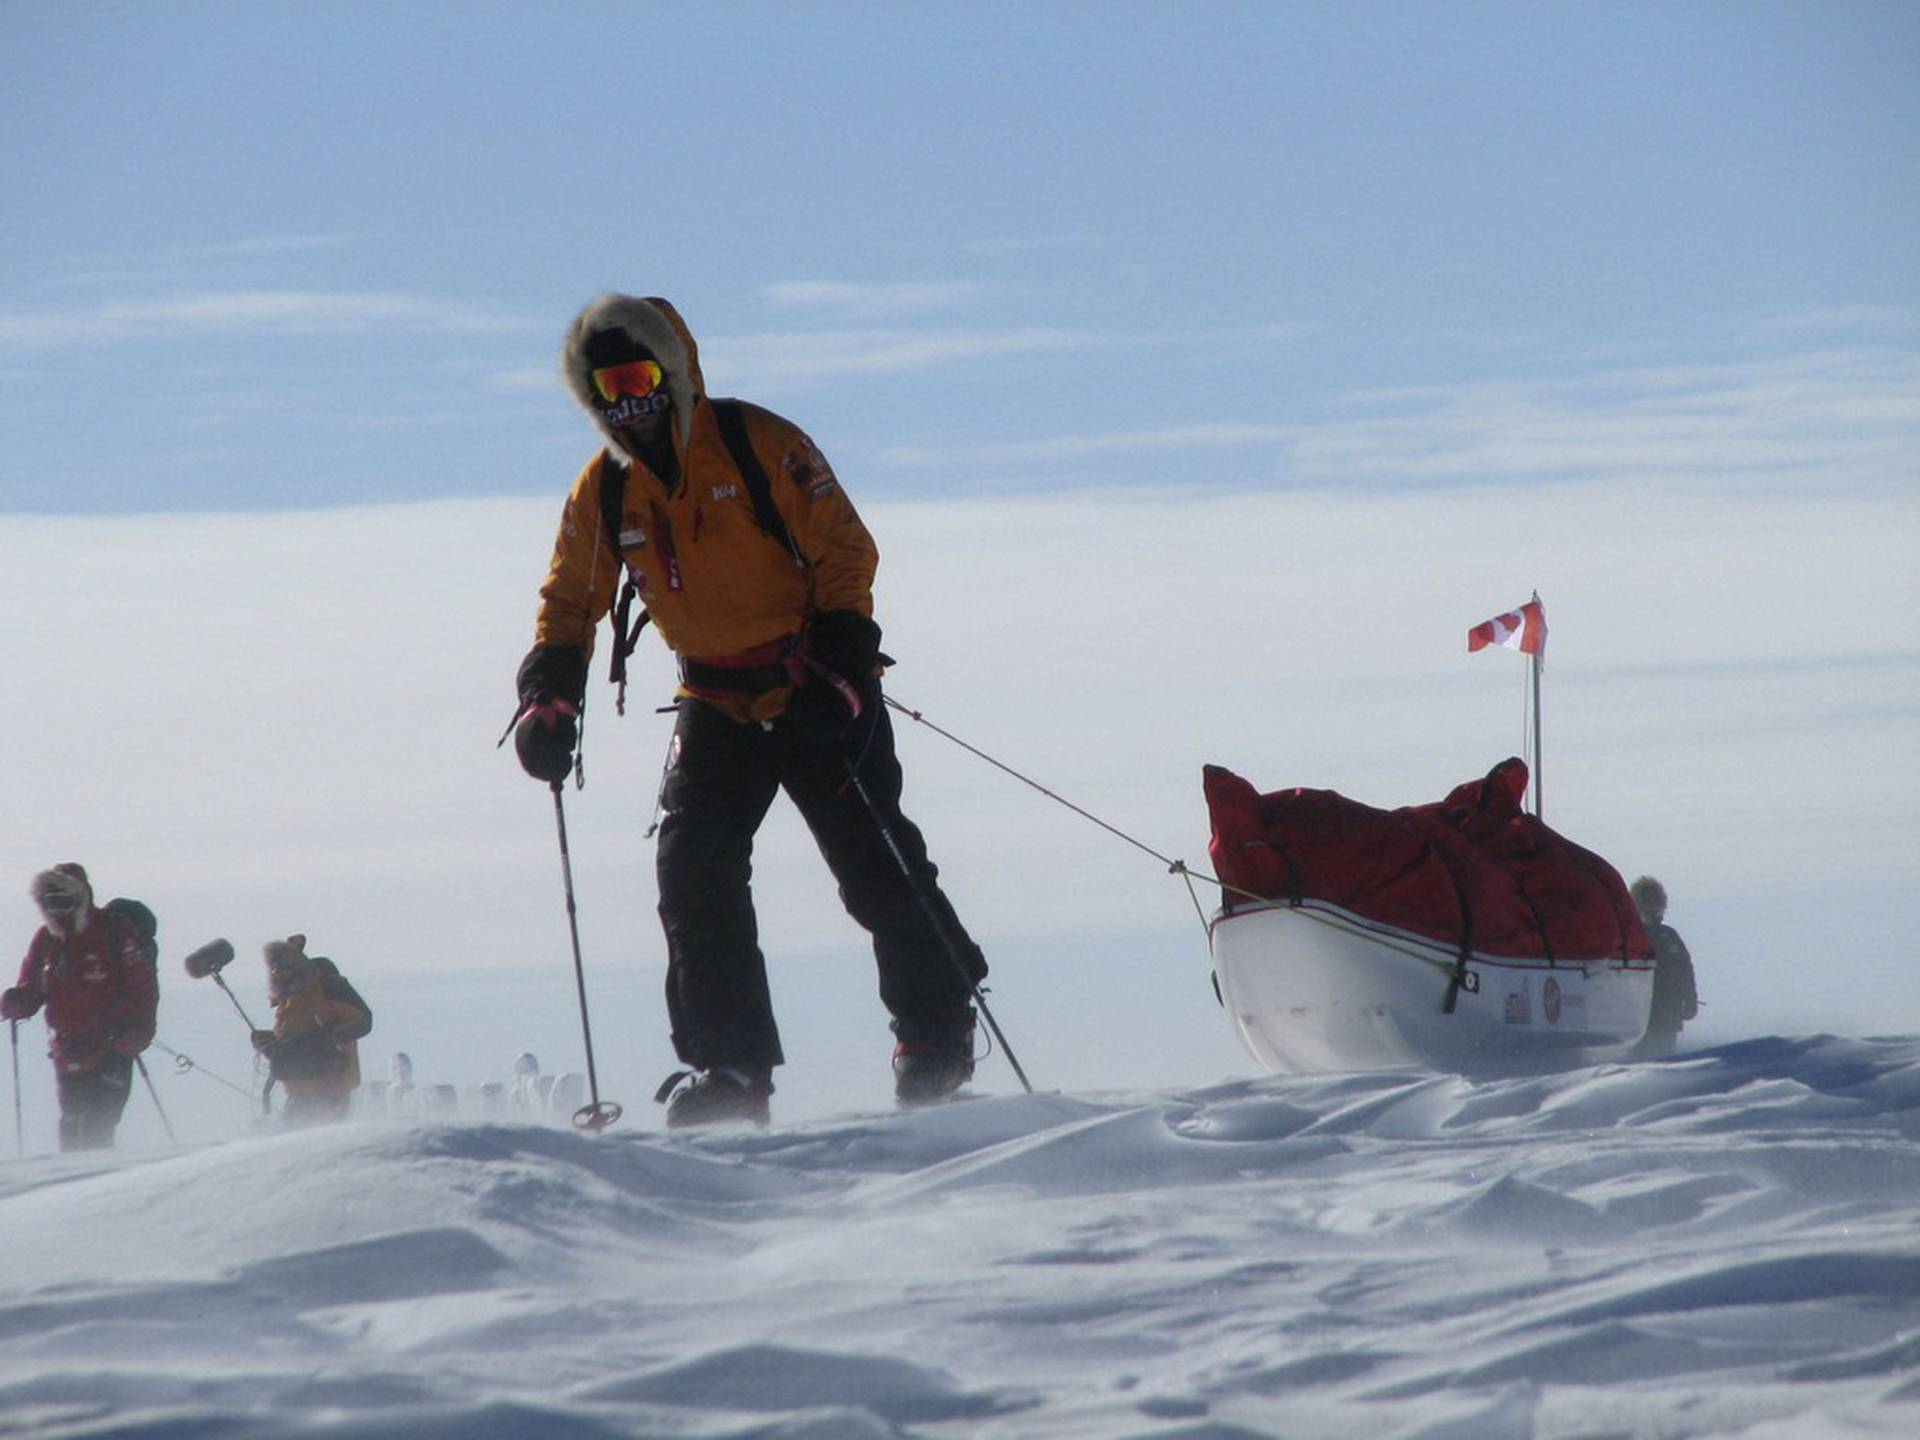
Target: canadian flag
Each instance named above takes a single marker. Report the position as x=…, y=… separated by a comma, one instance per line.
x=1524, y=630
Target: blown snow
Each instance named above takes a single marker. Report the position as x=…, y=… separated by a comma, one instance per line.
x=1718, y=1245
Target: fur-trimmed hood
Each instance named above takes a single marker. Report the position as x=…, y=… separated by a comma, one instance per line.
x=651, y=322
x=1650, y=899
x=68, y=879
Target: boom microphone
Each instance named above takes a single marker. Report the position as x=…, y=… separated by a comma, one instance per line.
x=210, y=959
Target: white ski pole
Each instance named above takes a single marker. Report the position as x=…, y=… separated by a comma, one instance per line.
x=19, y=1123
x=599, y=1113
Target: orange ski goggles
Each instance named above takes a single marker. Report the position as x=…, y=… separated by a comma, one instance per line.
x=637, y=378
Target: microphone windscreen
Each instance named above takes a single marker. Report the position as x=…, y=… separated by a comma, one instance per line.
x=210, y=959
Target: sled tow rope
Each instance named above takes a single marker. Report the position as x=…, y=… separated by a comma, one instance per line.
x=1174, y=867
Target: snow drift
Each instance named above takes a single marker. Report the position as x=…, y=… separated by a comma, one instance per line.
x=1717, y=1245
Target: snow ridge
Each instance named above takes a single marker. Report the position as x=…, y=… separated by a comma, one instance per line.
x=1721, y=1244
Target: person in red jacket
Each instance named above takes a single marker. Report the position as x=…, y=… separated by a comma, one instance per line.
x=93, y=972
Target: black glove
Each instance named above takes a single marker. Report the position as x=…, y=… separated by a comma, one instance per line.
x=846, y=642
x=15, y=1004
x=265, y=1042
x=821, y=711
x=544, y=740
x=552, y=672
x=841, y=659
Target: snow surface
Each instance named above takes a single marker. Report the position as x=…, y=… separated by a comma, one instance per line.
x=1721, y=1244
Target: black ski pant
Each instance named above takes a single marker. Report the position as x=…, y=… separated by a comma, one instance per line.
x=91, y=1102
x=722, y=778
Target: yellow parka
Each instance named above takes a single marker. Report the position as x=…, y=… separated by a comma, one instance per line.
x=718, y=587
x=324, y=1008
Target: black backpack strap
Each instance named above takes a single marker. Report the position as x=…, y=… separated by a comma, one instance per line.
x=613, y=500
x=733, y=430
x=626, y=636
x=39, y=956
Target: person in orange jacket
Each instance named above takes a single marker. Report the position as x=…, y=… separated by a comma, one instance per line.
x=318, y=1021
x=757, y=572
x=93, y=971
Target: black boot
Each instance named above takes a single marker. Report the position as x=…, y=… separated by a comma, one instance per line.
x=715, y=1097
x=931, y=1065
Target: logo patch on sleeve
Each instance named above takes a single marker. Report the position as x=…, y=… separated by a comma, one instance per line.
x=809, y=470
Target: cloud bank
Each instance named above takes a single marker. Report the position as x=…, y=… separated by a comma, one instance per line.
x=268, y=723
x=291, y=312
x=873, y=299
x=1828, y=421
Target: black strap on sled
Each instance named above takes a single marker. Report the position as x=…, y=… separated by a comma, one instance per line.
x=1296, y=892
x=1462, y=978
x=1539, y=923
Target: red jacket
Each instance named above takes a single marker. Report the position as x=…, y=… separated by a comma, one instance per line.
x=99, y=989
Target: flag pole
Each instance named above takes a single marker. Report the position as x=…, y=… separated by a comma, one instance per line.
x=1539, y=775
x=1524, y=630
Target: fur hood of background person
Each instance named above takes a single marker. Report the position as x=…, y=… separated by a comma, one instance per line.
x=65, y=897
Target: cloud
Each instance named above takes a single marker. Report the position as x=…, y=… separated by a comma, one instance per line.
x=1308, y=638
x=220, y=407
x=1070, y=448
x=529, y=378
x=1805, y=421
x=1808, y=422
x=1851, y=319
x=151, y=268
x=872, y=300
x=241, y=312
x=813, y=355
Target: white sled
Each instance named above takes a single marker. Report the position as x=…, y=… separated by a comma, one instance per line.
x=1313, y=987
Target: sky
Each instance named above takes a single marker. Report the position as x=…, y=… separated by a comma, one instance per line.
x=1204, y=373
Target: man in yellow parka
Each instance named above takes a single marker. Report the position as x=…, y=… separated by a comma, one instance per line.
x=318, y=1021
x=757, y=572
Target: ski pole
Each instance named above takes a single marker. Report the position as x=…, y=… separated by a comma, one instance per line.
x=209, y=961
x=19, y=1123
x=165, y=1124
x=938, y=921
x=221, y=981
x=598, y=1114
